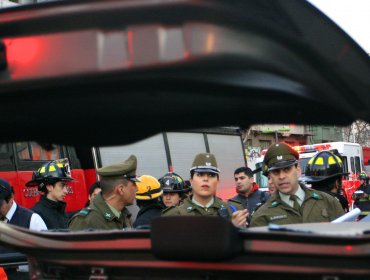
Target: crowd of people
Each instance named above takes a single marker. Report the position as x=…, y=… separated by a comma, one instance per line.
x=288, y=200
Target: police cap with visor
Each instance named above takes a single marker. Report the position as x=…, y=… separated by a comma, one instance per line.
x=126, y=170
x=205, y=163
x=278, y=156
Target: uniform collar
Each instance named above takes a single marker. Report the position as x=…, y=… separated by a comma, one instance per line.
x=114, y=211
x=11, y=211
x=209, y=204
x=300, y=193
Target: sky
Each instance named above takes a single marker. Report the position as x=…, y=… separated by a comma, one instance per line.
x=353, y=16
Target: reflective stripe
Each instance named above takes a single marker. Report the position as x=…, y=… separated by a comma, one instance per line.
x=319, y=161
x=331, y=160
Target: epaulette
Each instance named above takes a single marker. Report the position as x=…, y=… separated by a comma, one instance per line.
x=167, y=209
x=234, y=201
x=83, y=212
x=258, y=205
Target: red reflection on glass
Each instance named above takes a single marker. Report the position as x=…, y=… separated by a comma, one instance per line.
x=21, y=50
x=349, y=248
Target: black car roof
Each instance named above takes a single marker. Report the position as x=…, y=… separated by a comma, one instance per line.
x=241, y=63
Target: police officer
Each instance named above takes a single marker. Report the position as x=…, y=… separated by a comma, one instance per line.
x=324, y=172
x=173, y=187
x=362, y=195
x=51, y=179
x=293, y=202
x=204, y=177
x=108, y=210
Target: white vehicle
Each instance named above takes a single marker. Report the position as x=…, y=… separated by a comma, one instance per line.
x=350, y=153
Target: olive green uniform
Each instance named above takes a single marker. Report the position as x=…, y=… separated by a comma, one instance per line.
x=316, y=207
x=100, y=216
x=188, y=208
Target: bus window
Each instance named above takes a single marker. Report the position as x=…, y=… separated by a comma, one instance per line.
x=33, y=151
x=353, y=170
x=345, y=167
x=303, y=163
x=358, y=165
x=261, y=180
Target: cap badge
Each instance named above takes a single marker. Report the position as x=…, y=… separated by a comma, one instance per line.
x=279, y=157
x=208, y=164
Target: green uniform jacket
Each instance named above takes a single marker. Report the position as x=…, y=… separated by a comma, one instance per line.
x=316, y=207
x=99, y=216
x=219, y=208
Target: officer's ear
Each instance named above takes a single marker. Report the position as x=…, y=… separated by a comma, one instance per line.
x=299, y=169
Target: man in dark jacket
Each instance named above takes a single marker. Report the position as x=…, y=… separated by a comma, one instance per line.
x=248, y=194
x=14, y=214
x=51, y=179
x=148, y=199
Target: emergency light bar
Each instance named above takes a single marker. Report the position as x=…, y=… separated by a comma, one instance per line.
x=312, y=148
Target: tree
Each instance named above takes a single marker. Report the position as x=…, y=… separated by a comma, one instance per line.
x=357, y=132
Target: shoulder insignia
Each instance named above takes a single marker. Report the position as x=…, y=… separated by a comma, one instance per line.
x=108, y=215
x=84, y=212
x=189, y=208
x=316, y=195
x=274, y=204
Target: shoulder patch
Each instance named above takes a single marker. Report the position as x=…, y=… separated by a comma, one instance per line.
x=274, y=204
x=83, y=212
x=316, y=195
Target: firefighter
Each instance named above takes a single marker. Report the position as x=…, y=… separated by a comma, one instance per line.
x=362, y=195
x=173, y=187
x=51, y=179
x=148, y=197
x=204, y=178
x=108, y=209
x=292, y=202
x=324, y=172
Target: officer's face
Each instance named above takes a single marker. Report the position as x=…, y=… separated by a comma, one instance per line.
x=204, y=185
x=57, y=192
x=285, y=180
x=171, y=199
x=129, y=192
x=243, y=182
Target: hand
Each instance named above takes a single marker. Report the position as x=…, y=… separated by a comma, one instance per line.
x=239, y=218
